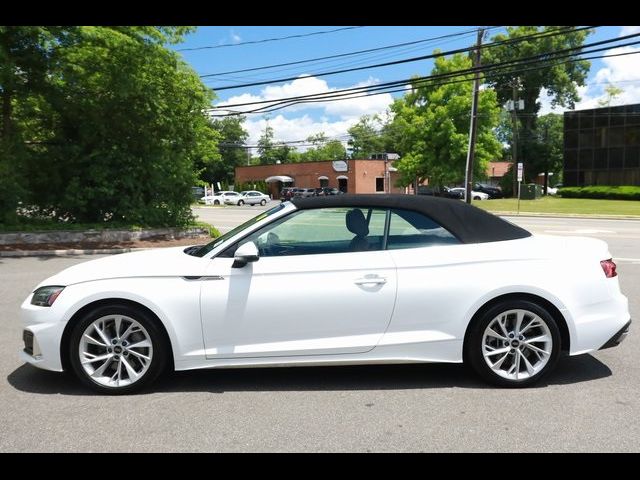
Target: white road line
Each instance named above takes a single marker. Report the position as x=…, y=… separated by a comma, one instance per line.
x=581, y=231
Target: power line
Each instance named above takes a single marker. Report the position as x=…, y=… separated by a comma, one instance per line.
x=422, y=83
x=507, y=64
x=418, y=82
x=340, y=55
x=265, y=40
x=409, y=60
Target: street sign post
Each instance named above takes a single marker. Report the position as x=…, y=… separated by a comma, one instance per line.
x=520, y=172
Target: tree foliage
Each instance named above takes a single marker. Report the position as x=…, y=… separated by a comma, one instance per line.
x=559, y=80
x=365, y=137
x=106, y=123
x=232, y=151
x=434, y=121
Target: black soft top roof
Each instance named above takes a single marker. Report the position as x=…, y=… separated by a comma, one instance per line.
x=469, y=224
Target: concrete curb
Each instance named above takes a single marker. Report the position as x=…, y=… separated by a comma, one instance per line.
x=65, y=253
x=565, y=215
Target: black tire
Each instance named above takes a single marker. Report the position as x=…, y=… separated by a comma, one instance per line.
x=476, y=198
x=263, y=202
x=473, y=348
x=240, y=203
x=158, y=342
x=216, y=202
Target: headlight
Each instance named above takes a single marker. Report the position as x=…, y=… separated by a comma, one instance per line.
x=45, y=296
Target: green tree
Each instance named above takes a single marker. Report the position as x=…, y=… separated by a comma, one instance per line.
x=612, y=92
x=548, y=147
x=271, y=152
x=322, y=149
x=435, y=122
x=560, y=80
x=232, y=137
x=114, y=129
x=266, y=146
x=365, y=138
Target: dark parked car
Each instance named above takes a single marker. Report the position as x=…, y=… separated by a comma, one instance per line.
x=439, y=192
x=493, y=192
x=197, y=192
x=287, y=193
x=304, y=192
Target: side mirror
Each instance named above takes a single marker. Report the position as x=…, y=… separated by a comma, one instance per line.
x=246, y=253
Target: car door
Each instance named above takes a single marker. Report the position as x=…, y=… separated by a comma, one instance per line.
x=435, y=271
x=308, y=294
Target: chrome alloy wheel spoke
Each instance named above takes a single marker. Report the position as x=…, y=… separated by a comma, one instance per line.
x=517, y=344
x=115, y=350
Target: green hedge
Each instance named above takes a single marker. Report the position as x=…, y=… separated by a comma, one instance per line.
x=624, y=192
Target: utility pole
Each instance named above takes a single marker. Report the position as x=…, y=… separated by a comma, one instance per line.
x=514, y=118
x=468, y=180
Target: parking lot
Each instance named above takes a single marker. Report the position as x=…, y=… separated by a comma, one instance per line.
x=590, y=403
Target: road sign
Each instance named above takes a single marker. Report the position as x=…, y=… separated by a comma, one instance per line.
x=520, y=170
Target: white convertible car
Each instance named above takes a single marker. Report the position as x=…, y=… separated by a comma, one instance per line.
x=350, y=279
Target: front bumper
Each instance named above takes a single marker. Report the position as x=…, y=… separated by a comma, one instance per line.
x=42, y=333
x=618, y=337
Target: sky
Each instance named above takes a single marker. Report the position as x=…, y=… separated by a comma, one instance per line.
x=233, y=52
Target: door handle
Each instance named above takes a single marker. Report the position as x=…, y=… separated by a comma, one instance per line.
x=370, y=280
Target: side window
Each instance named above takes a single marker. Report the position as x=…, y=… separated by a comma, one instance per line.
x=321, y=231
x=409, y=229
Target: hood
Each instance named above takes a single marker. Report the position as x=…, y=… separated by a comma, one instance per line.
x=158, y=262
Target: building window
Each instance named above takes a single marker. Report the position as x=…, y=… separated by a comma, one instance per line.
x=379, y=184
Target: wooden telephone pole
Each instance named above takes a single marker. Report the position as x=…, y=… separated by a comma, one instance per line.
x=468, y=180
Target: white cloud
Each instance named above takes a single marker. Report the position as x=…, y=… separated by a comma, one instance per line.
x=628, y=31
x=332, y=118
x=622, y=72
x=235, y=38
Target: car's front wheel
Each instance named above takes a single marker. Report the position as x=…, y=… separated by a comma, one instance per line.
x=513, y=344
x=240, y=203
x=263, y=202
x=117, y=349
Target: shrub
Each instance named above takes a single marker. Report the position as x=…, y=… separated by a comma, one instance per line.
x=624, y=192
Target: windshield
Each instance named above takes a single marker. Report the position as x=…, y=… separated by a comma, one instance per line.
x=202, y=251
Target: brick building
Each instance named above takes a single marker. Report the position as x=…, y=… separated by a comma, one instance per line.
x=350, y=176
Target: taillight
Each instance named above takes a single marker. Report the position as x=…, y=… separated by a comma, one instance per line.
x=609, y=268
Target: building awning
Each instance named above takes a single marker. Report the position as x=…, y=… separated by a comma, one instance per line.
x=342, y=177
x=278, y=178
x=323, y=177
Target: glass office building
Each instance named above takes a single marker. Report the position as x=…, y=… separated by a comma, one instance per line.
x=602, y=146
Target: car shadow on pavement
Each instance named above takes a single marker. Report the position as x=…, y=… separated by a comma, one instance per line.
x=570, y=370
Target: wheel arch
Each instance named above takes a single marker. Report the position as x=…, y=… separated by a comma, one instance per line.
x=565, y=337
x=66, y=334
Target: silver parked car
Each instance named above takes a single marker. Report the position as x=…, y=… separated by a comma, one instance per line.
x=252, y=197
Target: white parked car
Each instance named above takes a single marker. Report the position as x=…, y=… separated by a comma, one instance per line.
x=253, y=197
x=369, y=279
x=474, y=195
x=552, y=191
x=217, y=198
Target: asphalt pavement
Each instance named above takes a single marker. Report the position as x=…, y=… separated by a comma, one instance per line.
x=590, y=403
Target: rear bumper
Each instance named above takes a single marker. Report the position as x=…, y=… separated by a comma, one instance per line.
x=618, y=337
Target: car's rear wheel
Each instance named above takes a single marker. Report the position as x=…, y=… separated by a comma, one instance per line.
x=513, y=344
x=240, y=203
x=263, y=202
x=117, y=349
x=216, y=202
